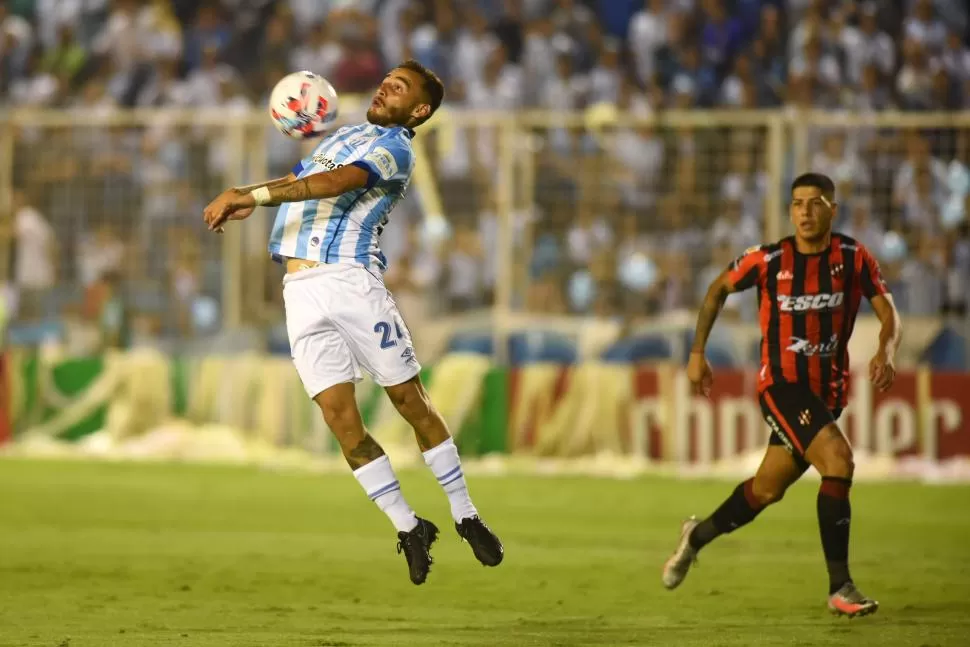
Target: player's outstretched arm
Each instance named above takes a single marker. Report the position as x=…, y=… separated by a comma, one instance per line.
x=312, y=187
x=238, y=203
x=217, y=206
x=882, y=370
x=291, y=177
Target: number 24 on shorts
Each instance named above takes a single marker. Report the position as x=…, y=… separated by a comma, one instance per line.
x=384, y=330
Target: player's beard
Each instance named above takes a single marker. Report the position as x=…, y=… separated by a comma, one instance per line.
x=380, y=116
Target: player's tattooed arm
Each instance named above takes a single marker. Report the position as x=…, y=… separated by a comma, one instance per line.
x=269, y=185
x=714, y=300
x=364, y=452
x=319, y=185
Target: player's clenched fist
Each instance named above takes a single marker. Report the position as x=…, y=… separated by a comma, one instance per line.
x=699, y=373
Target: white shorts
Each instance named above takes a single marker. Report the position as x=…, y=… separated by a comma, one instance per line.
x=340, y=319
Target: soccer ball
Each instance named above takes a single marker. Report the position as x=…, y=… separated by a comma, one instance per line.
x=303, y=105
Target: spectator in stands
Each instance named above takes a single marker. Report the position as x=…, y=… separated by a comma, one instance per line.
x=647, y=35
x=859, y=224
x=924, y=276
x=720, y=37
x=821, y=70
x=915, y=80
x=955, y=57
x=867, y=45
x=957, y=260
x=871, y=95
x=918, y=158
x=539, y=57
x=67, y=58
x=844, y=165
x=924, y=27
x=606, y=77
x=35, y=257
x=36, y=87
x=472, y=47
x=106, y=308
x=210, y=30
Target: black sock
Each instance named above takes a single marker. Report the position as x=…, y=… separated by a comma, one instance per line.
x=737, y=510
x=834, y=515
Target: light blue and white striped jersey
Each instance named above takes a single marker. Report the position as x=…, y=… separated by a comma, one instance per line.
x=347, y=228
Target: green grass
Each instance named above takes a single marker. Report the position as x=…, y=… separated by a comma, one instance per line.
x=103, y=555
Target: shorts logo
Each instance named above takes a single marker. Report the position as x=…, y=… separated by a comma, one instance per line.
x=408, y=355
x=810, y=302
x=805, y=417
x=805, y=347
x=781, y=435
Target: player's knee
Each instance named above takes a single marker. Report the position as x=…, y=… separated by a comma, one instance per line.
x=411, y=401
x=836, y=457
x=766, y=492
x=339, y=408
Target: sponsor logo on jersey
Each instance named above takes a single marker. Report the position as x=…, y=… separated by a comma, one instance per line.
x=836, y=270
x=805, y=347
x=810, y=302
x=773, y=255
x=325, y=162
x=384, y=161
x=785, y=275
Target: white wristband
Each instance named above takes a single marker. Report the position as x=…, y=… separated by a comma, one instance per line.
x=261, y=196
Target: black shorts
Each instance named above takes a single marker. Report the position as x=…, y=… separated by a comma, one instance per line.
x=795, y=415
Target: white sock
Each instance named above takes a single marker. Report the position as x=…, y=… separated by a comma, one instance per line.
x=446, y=466
x=381, y=485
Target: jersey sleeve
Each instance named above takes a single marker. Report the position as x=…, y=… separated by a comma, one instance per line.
x=745, y=271
x=872, y=284
x=388, y=160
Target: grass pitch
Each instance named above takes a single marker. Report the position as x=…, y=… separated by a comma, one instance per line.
x=104, y=555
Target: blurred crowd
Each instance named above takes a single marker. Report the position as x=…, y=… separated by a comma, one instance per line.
x=628, y=220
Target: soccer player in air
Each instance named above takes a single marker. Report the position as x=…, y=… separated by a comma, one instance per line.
x=809, y=289
x=341, y=319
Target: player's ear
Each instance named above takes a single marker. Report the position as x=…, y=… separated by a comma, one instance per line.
x=422, y=111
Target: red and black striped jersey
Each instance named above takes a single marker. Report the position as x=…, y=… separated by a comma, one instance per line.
x=807, y=305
